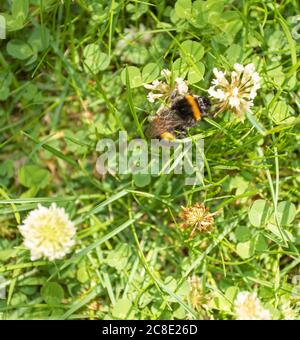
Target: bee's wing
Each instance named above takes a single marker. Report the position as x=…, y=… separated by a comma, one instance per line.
x=165, y=121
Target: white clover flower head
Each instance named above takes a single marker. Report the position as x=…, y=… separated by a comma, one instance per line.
x=247, y=306
x=237, y=91
x=164, y=90
x=181, y=86
x=48, y=233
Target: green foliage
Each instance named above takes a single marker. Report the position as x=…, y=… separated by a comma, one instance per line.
x=52, y=293
x=141, y=180
x=19, y=49
x=286, y=213
x=243, y=233
x=95, y=60
x=65, y=67
x=137, y=78
x=33, y=176
x=259, y=213
x=119, y=257
x=121, y=310
x=183, y=9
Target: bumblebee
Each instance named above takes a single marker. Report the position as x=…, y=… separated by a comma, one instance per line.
x=183, y=113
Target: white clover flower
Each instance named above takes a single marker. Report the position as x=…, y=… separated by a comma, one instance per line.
x=181, y=86
x=236, y=92
x=219, y=94
x=256, y=80
x=238, y=67
x=48, y=233
x=219, y=74
x=220, y=78
x=157, y=85
x=163, y=90
x=234, y=102
x=152, y=86
x=153, y=96
x=249, y=69
x=247, y=306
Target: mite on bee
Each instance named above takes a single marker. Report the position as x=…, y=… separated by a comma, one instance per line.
x=183, y=113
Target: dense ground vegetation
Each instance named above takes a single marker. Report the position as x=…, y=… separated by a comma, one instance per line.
x=71, y=73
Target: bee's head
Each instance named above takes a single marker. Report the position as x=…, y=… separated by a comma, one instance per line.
x=204, y=104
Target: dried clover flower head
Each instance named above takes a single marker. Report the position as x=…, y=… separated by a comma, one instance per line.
x=237, y=91
x=163, y=90
x=198, y=218
x=198, y=298
x=196, y=294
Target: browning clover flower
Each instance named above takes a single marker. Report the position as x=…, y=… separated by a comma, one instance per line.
x=196, y=295
x=197, y=218
x=236, y=92
x=247, y=306
x=48, y=233
x=198, y=298
x=164, y=90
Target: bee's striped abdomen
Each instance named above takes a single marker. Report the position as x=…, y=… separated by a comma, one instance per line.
x=194, y=106
x=187, y=107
